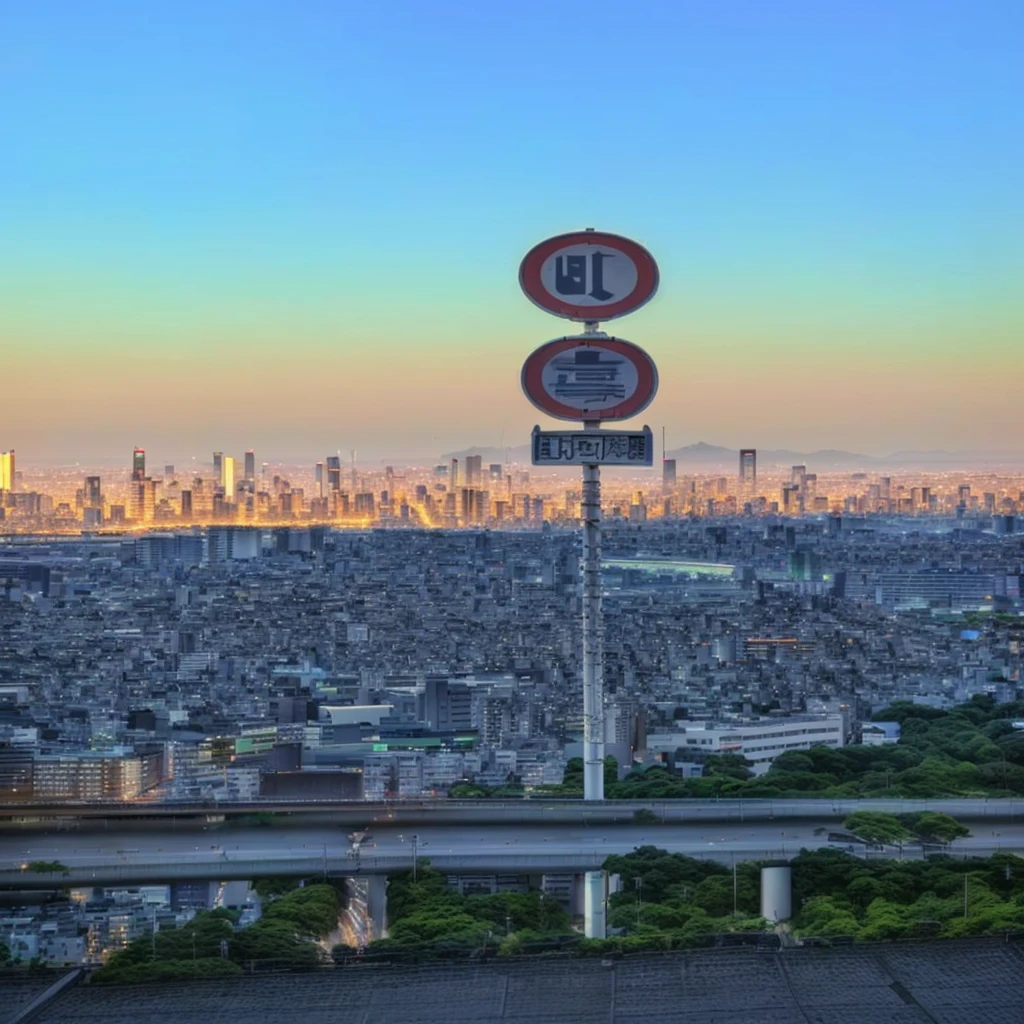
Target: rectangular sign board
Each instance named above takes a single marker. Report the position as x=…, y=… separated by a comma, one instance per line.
x=593, y=447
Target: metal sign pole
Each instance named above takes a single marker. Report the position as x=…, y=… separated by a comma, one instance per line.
x=594, y=378
x=593, y=682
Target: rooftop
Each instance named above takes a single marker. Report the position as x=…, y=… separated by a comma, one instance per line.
x=970, y=982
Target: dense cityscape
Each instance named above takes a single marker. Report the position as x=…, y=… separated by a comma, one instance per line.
x=407, y=635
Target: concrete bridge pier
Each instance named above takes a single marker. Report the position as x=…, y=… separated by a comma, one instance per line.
x=378, y=905
x=595, y=902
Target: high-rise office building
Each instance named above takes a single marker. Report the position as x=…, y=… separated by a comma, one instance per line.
x=797, y=476
x=186, y=504
x=227, y=477
x=668, y=475
x=318, y=479
x=748, y=467
x=218, y=463
x=250, y=465
x=168, y=473
x=93, y=493
x=453, y=475
x=139, y=464
x=334, y=472
x=474, y=467
x=7, y=470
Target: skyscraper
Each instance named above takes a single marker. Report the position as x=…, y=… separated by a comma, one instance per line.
x=748, y=467
x=227, y=477
x=474, y=467
x=218, y=460
x=93, y=492
x=318, y=479
x=139, y=464
x=453, y=476
x=334, y=472
x=7, y=470
x=668, y=476
x=250, y=465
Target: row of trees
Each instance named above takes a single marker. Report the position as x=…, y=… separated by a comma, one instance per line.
x=841, y=895
x=209, y=945
x=672, y=901
x=889, y=829
x=971, y=750
x=428, y=921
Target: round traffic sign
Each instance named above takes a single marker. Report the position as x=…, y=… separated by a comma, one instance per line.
x=590, y=378
x=588, y=275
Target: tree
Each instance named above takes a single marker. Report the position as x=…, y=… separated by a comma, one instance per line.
x=877, y=828
x=46, y=867
x=166, y=970
x=270, y=943
x=933, y=826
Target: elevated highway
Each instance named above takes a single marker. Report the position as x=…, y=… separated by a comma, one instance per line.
x=535, y=810
x=128, y=856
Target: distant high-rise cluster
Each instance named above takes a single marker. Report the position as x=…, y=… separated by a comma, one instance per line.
x=469, y=492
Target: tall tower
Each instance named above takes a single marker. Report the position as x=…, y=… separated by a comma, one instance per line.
x=7, y=470
x=250, y=465
x=227, y=477
x=453, y=476
x=668, y=476
x=334, y=472
x=139, y=464
x=218, y=463
x=93, y=492
x=748, y=469
x=474, y=466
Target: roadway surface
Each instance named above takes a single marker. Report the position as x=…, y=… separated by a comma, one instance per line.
x=536, y=809
x=128, y=857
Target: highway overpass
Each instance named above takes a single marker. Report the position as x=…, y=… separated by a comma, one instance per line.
x=533, y=810
x=130, y=857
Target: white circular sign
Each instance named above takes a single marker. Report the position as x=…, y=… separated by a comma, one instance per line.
x=591, y=378
x=589, y=275
x=587, y=377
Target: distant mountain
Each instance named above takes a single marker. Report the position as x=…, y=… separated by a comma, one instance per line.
x=708, y=456
x=489, y=453
x=704, y=457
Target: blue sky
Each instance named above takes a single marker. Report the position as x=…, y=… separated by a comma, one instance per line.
x=832, y=191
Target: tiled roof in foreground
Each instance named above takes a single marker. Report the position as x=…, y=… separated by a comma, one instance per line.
x=967, y=982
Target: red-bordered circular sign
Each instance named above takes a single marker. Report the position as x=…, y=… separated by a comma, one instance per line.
x=589, y=276
x=590, y=378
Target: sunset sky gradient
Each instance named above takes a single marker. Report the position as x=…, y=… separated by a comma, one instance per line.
x=297, y=226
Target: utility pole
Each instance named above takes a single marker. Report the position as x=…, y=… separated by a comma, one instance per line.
x=415, y=852
x=734, y=886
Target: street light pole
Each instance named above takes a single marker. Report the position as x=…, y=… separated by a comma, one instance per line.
x=415, y=851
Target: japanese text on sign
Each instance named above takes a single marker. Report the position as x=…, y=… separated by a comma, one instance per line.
x=576, y=448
